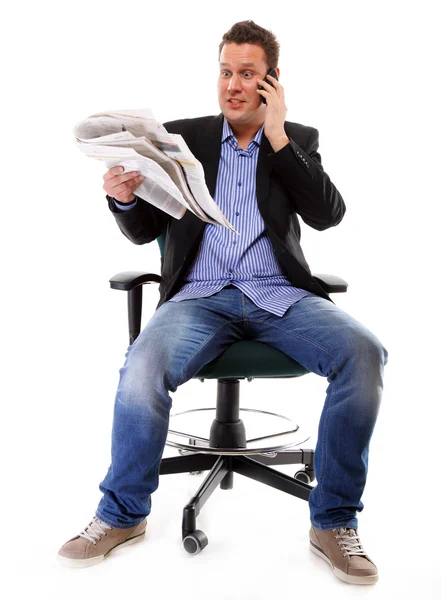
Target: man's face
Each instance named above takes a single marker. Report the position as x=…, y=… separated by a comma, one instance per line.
x=240, y=65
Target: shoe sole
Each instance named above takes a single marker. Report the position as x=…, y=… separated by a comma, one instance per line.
x=88, y=562
x=363, y=579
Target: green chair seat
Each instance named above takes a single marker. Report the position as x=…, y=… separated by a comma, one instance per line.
x=251, y=359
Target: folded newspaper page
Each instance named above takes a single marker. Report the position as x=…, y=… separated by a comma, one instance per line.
x=174, y=179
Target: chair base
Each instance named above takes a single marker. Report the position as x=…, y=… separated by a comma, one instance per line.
x=228, y=432
x=221, y=473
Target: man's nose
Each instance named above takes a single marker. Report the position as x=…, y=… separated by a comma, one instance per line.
x=234, y=84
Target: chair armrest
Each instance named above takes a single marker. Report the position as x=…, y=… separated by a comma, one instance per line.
x=132, y=282
x=331, y=283
x=128, y=280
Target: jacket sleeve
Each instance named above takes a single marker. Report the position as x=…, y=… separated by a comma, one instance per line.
x=141, y=224
x=314, y=196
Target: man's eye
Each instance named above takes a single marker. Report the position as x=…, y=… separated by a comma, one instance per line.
x=226, y=73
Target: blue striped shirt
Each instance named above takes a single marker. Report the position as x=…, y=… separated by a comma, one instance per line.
x=247, y=260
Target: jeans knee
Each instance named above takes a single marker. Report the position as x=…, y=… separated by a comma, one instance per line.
x=377, y=352
x=372, y=350
x=385, y=355
x=144, y=378
x=366, y=348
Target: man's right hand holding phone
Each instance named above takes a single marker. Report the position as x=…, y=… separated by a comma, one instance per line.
x=120, y=185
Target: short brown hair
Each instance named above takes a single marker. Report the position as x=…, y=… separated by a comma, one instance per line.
x=247, y=32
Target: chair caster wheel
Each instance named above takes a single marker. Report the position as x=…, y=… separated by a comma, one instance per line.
x=195, y=542
x=305, y=475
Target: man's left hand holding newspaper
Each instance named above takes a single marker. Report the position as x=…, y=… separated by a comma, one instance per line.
x=120, y=185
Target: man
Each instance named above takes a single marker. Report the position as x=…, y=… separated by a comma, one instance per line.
x=219, y=288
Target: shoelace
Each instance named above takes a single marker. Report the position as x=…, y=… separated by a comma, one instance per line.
x=350, y=542
x=95, y=530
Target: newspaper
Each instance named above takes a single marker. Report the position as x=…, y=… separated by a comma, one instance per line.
x=174, y=179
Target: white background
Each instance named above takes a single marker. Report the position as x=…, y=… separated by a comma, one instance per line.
x=365, y=75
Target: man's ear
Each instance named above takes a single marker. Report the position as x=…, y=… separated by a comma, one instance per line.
x=278, y=72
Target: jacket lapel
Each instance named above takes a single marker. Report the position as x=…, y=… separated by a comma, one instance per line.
x=263, y=176
x=209, y=151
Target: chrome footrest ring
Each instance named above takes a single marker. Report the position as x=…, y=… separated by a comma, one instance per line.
x=292, y=436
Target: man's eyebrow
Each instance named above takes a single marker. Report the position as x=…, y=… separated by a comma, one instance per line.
x=245, y=64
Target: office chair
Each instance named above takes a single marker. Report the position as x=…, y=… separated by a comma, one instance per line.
x=227, y=449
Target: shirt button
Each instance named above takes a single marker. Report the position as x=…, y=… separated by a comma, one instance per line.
x=237, y=214
x=240, y=183
x=234, y=242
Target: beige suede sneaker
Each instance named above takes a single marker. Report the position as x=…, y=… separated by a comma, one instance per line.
x=342, y=550
x=96, y=542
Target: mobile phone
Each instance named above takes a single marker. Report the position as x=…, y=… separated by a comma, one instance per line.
x=273, y=73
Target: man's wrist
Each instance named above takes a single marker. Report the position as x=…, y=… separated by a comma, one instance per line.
x=125, y=204
x=117, y=206
x=279, y=141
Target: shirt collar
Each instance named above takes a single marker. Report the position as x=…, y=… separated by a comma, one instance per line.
x=227, y=132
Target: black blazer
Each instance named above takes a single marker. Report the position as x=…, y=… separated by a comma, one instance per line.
x=290, y=182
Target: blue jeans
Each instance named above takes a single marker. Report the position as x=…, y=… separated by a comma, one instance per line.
x=182, y=337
